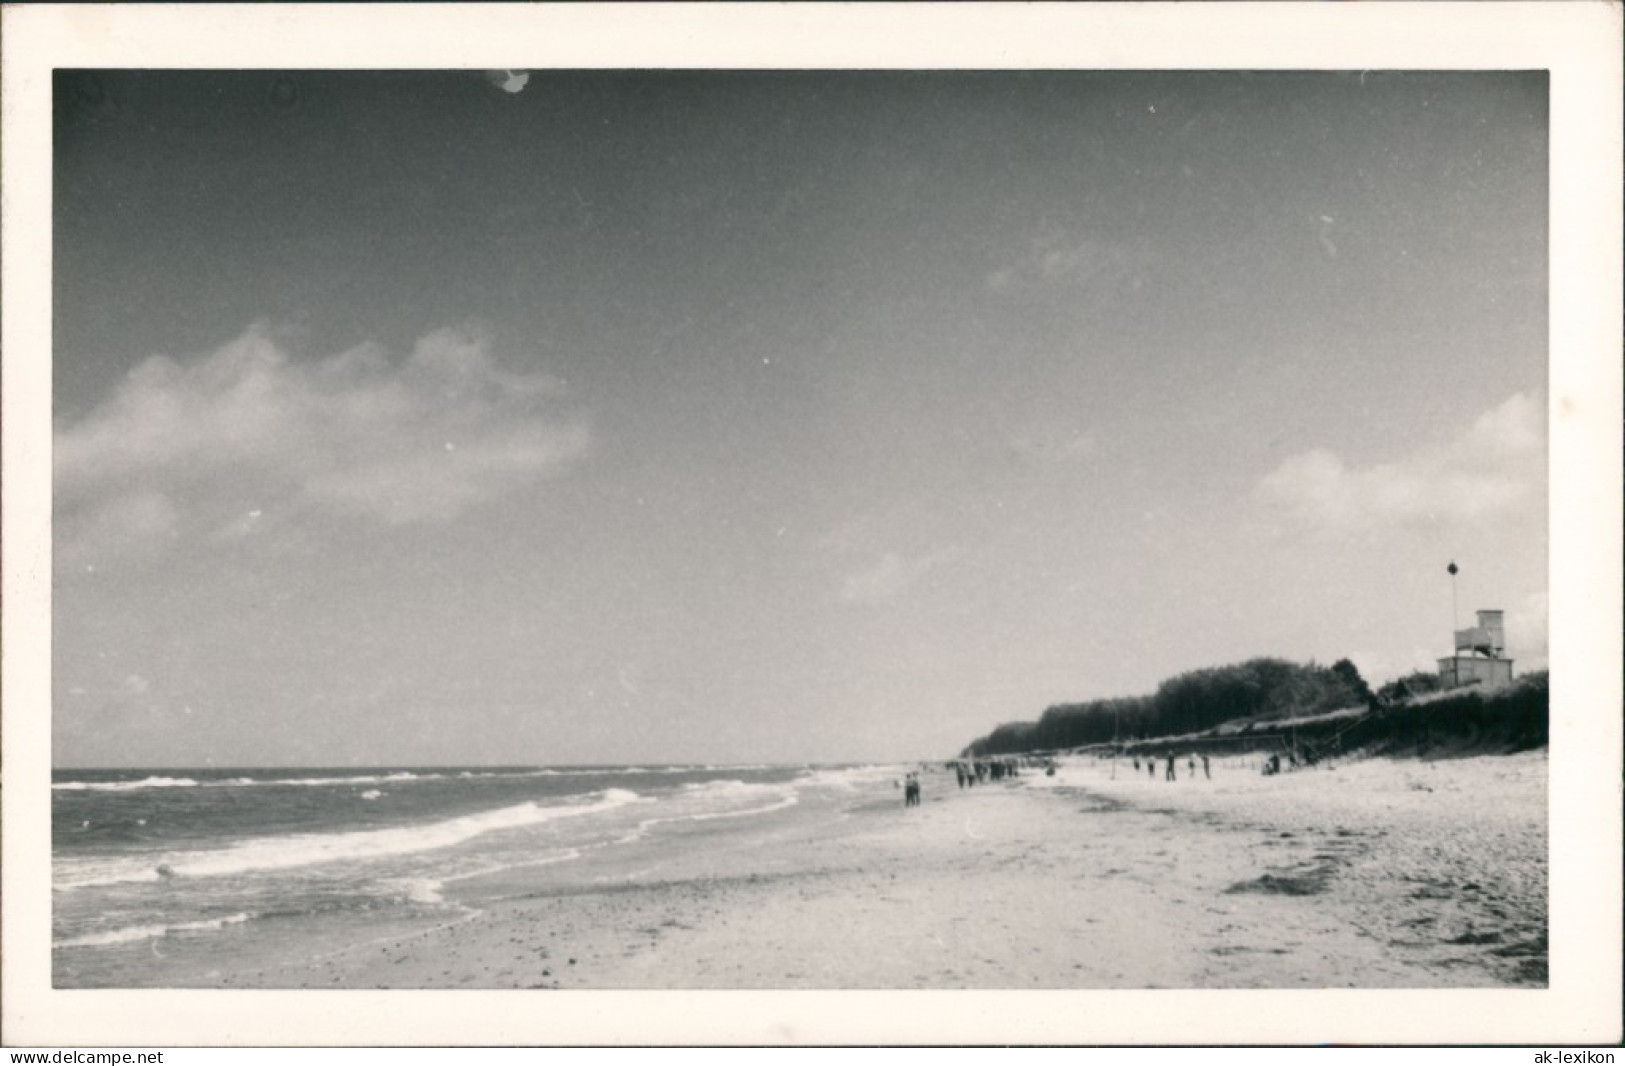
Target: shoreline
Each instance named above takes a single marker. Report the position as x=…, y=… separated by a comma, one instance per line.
x=1376, y=874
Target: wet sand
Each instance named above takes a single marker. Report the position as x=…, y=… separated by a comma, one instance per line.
x=1376, y=874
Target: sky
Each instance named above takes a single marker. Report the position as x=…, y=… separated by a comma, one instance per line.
x=457, y=418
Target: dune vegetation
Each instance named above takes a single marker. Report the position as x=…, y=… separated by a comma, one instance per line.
x=1272, y=703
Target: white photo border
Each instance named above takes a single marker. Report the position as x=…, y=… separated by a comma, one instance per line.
x=1577, y=42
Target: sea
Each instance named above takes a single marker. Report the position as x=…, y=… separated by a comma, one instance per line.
x=171, y=856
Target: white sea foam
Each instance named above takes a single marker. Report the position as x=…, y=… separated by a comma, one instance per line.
x=565, y=855
x=721, y=784
x=783, y=798
x=787, y=800
x=430, y=889
x=125, y=786
x=310, y=849
x=148, y=932
x=419, y=889
x=395, y=777
x=353, y=779
x=236, y=782
x=846, y=778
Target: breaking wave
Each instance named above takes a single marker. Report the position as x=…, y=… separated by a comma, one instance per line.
x=309, y=849
x=149, y=932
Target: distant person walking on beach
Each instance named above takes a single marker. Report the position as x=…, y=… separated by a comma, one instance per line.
x=911, y=791
x=959, y=772
x=1207, y=773
x=1191, y=765
x=1136, y=764
x=1151, y=768
x=1168, y=775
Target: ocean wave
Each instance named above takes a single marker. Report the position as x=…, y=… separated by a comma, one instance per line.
x=353, y=779
x=846, y=779
x=428, y=889
x=310, y=849
x=149, y=932
x=418, y=889
x=375, y=778
x=236, y=782
x=733, y=789
x=785, y=799
x=789, y=799
x=721, y=784
x=125, y=786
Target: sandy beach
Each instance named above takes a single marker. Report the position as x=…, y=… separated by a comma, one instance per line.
x=1375, y=874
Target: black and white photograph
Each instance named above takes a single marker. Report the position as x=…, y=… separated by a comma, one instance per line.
x=1051, y=527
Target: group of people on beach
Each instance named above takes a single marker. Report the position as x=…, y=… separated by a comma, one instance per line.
x=981, y=771
x=1272, y=765
x=1169, y=760
x=971, y=772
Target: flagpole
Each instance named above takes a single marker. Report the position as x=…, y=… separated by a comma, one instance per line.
x=1455, y=611
x=1455, y=624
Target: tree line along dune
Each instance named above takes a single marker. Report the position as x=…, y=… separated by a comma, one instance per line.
x=1267, y=703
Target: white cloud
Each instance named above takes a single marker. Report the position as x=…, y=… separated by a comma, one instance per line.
x=509, y=81
x=890, y=575
x=137, y=521
x=1493, y=468
x=231, y=444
